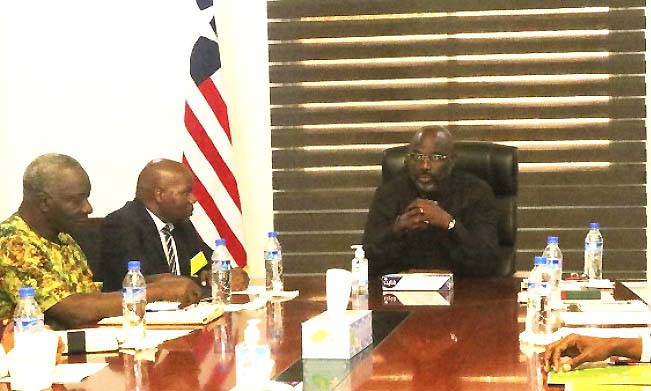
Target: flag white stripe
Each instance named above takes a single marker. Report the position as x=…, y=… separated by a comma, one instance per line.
x=214, y=186
x=211, y=125
x=218, y=79
x=205, y=227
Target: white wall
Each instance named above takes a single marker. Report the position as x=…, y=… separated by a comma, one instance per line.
x=104, y=83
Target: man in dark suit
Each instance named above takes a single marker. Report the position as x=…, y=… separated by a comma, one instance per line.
x=164, y=200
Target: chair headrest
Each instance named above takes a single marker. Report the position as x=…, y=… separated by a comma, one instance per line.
x=495, y=163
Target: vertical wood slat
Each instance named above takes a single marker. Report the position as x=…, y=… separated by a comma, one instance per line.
x=322, y=212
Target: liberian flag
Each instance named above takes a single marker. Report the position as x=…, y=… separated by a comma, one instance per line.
x=208, y=147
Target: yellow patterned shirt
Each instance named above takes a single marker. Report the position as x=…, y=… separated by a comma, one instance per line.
x=55, y=270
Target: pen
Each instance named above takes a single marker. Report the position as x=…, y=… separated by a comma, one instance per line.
x=617, y=362
x=627, y=363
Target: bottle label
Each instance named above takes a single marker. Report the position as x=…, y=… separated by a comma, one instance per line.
x=26, y=324
x=134, y=294
x=272, y=255
x=225, y=264
x=594, y=246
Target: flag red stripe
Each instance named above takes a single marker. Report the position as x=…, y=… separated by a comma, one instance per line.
x=208, y=204
x=217, y=104
x=212, y=155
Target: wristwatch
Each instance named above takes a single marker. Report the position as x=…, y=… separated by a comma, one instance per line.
x=451, y=224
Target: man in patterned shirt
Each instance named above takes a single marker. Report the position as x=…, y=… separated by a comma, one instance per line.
x=36, y=250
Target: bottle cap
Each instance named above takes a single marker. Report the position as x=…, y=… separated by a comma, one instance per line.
x=359, y=250
x=220, y=242
x=594, y=225
x=251, y=333
x=272, y=234
x=26, y=292
x=552, y=239
x=133, y=265
x=539, y=261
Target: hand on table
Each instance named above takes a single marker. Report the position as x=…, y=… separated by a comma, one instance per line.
x=8, y=337
x=239, y=279
x=420, y=214
x=175, y=288
x=574, y=350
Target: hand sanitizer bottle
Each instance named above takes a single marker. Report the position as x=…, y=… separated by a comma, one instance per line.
x=253, y=361
x=359, y=270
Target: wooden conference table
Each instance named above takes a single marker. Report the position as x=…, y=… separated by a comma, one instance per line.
x=469, y=345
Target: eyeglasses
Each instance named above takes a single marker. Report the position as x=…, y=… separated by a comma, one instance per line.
x=421, y=157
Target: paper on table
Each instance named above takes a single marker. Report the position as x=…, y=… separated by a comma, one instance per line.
x=601, y=284
x=71, y=373
x=162, y=306
x=254, y=304
x=156, y=337
x=199, y=314
x=260, y=290
x=605, y=387
x=614, y=306
x=606, y=332
x=605, y=318
x=95, y=340
x=606, y=374
x=569, y=285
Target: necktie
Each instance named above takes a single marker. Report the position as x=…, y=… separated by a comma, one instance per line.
x=171, y=252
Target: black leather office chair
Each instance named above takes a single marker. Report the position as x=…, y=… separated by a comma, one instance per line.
x=498, y=166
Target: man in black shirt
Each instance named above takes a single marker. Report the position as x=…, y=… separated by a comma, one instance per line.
x=431, y=216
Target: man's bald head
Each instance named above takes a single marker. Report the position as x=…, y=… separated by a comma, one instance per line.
x=165, y=187
x=428, y=134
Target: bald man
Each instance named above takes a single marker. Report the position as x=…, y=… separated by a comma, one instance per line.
x=432, y=217
x=136, y=231
x=38, y=251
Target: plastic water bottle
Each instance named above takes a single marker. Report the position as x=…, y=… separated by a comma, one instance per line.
x=253, y=363
x=28, y=317
x=555, y=264
x=34, y=347
x=221, y=273
x=553, y=251
x=594, y=251
x=538, y=321
x=134, y=301
x=359, y=270
x=273, y=262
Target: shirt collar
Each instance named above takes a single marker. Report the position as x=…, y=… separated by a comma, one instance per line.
x=159, y=223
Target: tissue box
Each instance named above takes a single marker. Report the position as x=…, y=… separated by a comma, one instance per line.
x=417, y=298
x=337, y=337
x=417, y=282
x=340, y=375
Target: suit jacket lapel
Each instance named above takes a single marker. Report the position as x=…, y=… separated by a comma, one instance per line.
x=151, y=240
